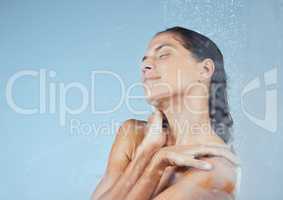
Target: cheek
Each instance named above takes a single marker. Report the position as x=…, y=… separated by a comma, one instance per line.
x=165, y=86
x=169, y=71
x=178, y=75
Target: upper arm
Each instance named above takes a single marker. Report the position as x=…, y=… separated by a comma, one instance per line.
x=216, y=184
x=119, y=156
x=126, y=140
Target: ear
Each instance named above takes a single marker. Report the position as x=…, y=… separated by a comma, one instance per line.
x=207, y=68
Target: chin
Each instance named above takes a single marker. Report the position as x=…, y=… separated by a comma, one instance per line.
x=158, y=98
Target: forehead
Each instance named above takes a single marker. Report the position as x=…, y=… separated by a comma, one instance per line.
x=164, y=38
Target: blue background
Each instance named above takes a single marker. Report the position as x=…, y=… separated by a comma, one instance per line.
x=40, y=159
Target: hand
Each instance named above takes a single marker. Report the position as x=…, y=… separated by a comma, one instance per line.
x=155, y=137
x=184, y=155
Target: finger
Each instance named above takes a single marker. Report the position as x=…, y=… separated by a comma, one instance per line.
x=179, y=159
x=215, y=152
x=155, y=126
x=222, y=150
x=183, y=160
x=202, y=146
x=225, y=146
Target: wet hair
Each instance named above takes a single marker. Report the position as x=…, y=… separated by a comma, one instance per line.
x=201, y=47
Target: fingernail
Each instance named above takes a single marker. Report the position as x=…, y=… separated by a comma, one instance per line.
x=207, y=166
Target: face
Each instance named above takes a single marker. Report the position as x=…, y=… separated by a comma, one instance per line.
x=168, y=69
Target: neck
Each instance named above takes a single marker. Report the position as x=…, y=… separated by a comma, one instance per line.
x=189, y=121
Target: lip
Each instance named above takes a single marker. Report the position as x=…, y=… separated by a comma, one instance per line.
x=151, y=78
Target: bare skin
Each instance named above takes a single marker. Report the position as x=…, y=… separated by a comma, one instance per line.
x=149, y=162
x=138, y=172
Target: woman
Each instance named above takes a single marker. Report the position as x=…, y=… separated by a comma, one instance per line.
x=182, y=151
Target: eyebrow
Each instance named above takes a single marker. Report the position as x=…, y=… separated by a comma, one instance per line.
x=160, y=47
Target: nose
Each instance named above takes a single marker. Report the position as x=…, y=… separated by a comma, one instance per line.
x=146, y=67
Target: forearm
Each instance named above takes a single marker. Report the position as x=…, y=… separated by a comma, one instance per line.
x=147, y=183
x=134, y=170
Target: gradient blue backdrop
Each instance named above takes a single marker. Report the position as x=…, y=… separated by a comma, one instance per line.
x=39, y=159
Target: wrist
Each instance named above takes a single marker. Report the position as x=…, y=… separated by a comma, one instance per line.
x=154, y=170
x=149, y=148
x=144, y=151
x=158, y=161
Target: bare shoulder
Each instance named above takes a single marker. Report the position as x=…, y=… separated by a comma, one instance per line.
x=216, y=184
x=132, y=128
x=132, y=131
x=222, y=178
x=127, y=137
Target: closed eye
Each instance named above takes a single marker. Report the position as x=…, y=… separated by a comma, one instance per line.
x=164, y=55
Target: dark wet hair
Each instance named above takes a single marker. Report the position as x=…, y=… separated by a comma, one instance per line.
x=202, y=47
